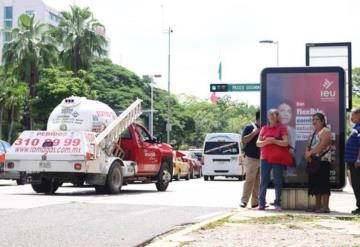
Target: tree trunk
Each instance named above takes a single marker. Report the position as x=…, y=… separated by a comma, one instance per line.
x=11, y=123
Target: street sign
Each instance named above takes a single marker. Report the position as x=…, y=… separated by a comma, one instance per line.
x=242, y=87
x=218, y=87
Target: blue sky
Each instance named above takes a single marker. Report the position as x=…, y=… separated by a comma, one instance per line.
x=206, y=32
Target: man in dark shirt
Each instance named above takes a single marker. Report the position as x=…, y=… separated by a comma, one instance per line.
x=352, y=156
x=252, y=163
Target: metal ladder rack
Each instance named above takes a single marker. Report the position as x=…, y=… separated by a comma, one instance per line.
x=107, y=139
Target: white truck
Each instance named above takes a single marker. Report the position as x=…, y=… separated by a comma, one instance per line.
x=86, y=142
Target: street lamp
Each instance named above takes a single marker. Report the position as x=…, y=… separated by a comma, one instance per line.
x=168, y=124
x=275, y=42
x=151, y=122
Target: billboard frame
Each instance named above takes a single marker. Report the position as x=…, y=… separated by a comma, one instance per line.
x=349, y=50
x=342, y=111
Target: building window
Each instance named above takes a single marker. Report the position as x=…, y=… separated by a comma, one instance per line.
x=7, y=36
x=30, y=12
x=8, y=24
x=8, y=12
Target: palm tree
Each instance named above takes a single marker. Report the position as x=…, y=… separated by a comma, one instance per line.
x=30, y=49
x=16, y=94
x=77, y=35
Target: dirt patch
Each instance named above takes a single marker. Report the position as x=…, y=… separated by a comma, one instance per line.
x=283, y=230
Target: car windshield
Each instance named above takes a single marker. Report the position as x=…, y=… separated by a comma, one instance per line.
x=221, y=148
x=197, y=155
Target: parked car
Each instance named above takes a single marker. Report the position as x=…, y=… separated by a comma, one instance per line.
x=194, y=163
x=4, y=147
x=181, y=166
x=198, y=154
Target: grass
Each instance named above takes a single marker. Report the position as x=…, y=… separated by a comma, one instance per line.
x=283, y=219
x=355, y=219
x=184, y=243
x=216, y=224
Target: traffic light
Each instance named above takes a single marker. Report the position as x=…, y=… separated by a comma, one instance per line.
x=218, y=87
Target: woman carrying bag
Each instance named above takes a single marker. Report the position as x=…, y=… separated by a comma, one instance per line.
x=318, y=156
x=274, y=155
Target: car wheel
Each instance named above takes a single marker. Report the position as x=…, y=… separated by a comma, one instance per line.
x=212, y=178
x=164, y=177
x=206, y=178
x=188, y=176
x=192, y=173
x=177, y=177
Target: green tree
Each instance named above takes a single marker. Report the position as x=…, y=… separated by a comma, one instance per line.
x=16, y=94
x=77, y=35
x=30, y=49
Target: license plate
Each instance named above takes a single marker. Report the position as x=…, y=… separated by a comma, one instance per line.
x=45, y=164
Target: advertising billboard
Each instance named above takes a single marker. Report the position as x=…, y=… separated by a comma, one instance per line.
x=298, y=93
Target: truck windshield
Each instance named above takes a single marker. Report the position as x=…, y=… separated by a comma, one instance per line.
x=221, y=148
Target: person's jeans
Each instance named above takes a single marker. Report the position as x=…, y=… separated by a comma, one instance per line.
x=265, y=170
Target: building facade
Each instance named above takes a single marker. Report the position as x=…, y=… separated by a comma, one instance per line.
x=10, y=10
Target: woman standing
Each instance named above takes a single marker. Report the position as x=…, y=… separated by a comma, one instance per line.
x=274, y=155
x=319, y=148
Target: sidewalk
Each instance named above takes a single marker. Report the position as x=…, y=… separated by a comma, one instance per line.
x=251, y=227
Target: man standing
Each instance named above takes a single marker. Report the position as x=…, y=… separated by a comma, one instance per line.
x=252, y=163
x=352, y=156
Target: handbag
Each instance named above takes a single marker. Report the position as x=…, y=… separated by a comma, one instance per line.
x=313, y=166
x=280, y=155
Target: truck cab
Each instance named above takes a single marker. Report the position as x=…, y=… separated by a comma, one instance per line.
x=139, y=146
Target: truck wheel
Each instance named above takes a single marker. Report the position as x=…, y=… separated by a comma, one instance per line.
x=114, y=179
x=46, y=186
x=164, y=177
x=206, y=178
x=212, y=178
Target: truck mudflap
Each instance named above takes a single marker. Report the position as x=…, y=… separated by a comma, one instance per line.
x=50, y=151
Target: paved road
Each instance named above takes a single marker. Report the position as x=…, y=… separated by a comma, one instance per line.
x=79, y=217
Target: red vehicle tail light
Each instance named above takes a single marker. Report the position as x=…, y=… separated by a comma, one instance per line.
x=77, y=166
x=10, y=165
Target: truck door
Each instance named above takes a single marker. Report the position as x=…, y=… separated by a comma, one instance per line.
x=148, y=156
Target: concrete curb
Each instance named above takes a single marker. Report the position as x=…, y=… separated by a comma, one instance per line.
x=177, y=238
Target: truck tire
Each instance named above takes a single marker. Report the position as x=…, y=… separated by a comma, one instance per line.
x=46, y=186
x=206, y=178
x=114, y=179
x=164, y=177
x=212, y=178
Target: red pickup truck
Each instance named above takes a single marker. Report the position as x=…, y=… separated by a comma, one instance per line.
x=154, y=161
